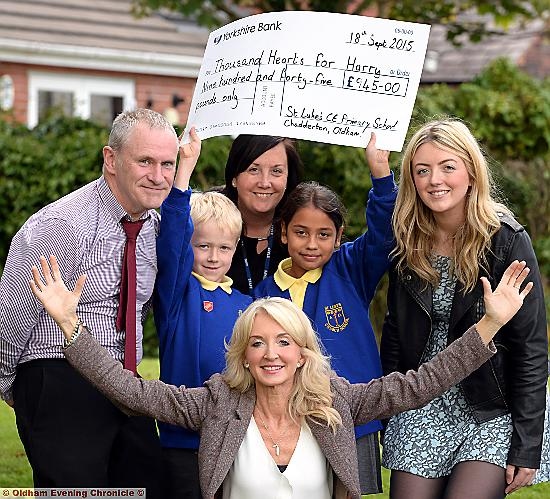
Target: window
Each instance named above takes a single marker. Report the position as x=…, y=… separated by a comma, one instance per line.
x=104, y=108
x=91, y=97
x=48, y=100
x=6, y=92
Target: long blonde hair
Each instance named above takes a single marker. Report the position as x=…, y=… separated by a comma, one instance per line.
x=414, y=224
x=311, y=395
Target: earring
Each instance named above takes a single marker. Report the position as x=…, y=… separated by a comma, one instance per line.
x=246, y=365
x=234, y=183
x=299, y=365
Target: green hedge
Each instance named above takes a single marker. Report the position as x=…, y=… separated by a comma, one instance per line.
x=508, y=111
x=40, y=165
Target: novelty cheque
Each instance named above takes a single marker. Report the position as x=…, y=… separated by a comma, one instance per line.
x=318, y=76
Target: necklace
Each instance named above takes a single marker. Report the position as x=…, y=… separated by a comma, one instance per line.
x=262, y=238
x=275, y=445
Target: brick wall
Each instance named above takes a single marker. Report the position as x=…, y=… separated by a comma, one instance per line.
x=154, y=89
x=18, y=74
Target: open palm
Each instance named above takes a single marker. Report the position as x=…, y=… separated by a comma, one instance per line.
x=503, y=303
x=51, y=291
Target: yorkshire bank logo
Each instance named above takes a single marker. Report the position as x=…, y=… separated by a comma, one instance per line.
x=336, y=318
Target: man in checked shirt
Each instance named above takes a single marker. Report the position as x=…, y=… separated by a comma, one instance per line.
x=73, y=436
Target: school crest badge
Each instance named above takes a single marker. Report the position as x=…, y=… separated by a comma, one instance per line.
x=208, y=305
x=336, y=318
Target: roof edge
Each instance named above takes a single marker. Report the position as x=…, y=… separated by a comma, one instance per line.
x=120, y=61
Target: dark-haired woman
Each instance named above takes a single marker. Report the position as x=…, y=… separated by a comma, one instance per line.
x=259, y=173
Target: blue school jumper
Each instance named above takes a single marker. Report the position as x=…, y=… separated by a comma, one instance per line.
x=338, y=301
x=192, y=322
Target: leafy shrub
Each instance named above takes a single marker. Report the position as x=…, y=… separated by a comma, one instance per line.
x=39, y=166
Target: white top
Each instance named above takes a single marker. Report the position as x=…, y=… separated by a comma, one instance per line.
x=255, y=474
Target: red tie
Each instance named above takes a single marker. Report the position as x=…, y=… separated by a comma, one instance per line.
x=126, y=317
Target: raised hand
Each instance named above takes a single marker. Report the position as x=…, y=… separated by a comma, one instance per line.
x=189, y=155
x=378, y=159
x=503, y=303
x=57, y=300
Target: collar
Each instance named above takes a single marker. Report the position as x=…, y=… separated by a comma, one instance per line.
x=296, y=286
x=285, y=280
x=225, y=285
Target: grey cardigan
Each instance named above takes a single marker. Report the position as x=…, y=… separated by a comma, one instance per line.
x=222, y=414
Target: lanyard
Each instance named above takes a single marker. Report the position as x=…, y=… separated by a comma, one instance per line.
x=267, y=260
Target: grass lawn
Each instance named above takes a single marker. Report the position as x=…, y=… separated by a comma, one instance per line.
x=16, y=472
x=14, y=467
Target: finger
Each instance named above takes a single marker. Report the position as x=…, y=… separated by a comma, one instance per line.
x=182, y=138
x=46, y=273
x=526, y=290
x=507, y=276
x=512, y=486
x=522, y=276
x=508, y=273
x=487, y=291
x=509, y=489
x=195, y=140
x=34, y=289
x=384, y=153
x=79, y=286
x=510, y=471
x=516, y=485
x=531, y=476
x=37, y=280
x=56, y=273
x=372, y=141
x=517, y=270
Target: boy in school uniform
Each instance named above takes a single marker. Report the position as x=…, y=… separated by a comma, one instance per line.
x=194, y=305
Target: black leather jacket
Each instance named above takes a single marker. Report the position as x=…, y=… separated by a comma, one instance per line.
x=514, y=380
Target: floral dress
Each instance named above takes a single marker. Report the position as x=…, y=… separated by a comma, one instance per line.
x=431, y=440
x=543, y=474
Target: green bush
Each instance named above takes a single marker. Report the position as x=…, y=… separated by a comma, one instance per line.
x=39, y=166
